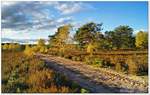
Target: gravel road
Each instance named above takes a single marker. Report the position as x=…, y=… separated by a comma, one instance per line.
x=96, y=80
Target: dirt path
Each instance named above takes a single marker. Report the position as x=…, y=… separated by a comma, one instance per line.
x=95, y=79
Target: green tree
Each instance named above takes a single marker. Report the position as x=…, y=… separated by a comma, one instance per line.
x=107, y=41
x=121, y=37
x=142, y=40
x=88, y=33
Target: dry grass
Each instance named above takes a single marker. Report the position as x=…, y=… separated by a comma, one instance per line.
x=21, y=73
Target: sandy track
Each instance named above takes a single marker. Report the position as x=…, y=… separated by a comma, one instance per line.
x=95, y=79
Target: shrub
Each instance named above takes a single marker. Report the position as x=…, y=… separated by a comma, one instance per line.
x=94, y=61
x=42, y=78
x=143, y=65
x=118, y=67
x=5, y=47
x=29, y=51
x=88, y=60
x=43, y=50
x=133, y=66
x=84, y=90
x=11, y=46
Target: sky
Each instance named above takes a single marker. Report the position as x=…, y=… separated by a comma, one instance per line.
x=38, y=19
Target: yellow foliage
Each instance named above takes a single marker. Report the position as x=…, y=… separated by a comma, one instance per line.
x=39, y=78
x=28, y=51
x=11, y=46
x=90, y=48
x=5, y=46
x=141, y=40
x=43, y=50
x=41, y=42
x=133, y=65
x=64, y=89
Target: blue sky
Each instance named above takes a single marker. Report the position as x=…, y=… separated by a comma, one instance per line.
x=34, y=20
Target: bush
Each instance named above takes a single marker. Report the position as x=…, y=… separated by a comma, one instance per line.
x=143, y=65
x=42, y=78
x=11, y=47
x=118, y=67
x=29, y=51
x=76, y=58
x=43, y=50
x=84, y=90
x=5, y=46
x=133, y=66
x=93, y=61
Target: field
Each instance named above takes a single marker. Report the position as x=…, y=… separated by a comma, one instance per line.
x=23, y=74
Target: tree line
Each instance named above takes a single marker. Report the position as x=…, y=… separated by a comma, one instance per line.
x=90, y=37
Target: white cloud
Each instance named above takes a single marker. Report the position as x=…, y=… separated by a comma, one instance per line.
x=65, y=7
x=8, y=33
x=63, y=19
x=26, y=34
x=48, y=2
x=69, y=8
x=30, y=18
x=6, y=3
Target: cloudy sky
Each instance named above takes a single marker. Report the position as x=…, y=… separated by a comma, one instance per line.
x=34, y=20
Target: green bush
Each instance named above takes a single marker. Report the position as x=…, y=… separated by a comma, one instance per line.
x=91, y=60
x=84, y=90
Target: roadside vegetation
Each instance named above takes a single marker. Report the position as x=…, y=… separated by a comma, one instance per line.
x=24, y=74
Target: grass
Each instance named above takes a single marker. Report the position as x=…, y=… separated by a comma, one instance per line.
x=21, y=73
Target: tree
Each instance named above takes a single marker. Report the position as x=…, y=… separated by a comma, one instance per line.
x=60, y=36
x=41, y=42
x=124, y=38
x=88, y=33
x=59, y=39
x=142, y=40
x=107, y=42
x=121, y=37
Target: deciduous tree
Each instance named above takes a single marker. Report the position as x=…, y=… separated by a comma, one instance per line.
x=142, y=40
x=41, y=42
